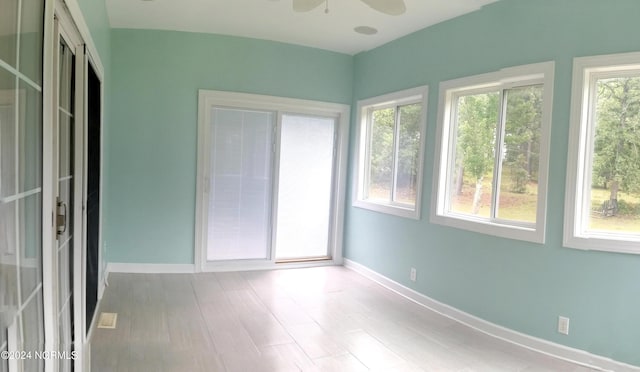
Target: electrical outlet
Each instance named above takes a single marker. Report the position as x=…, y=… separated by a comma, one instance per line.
x=563, y=325
x=413, y=274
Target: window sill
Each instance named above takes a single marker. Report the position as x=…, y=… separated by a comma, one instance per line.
x=394, y=210
x=517, y=232
x=603, y=242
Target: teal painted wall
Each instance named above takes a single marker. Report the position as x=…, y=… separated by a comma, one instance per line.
x=522, y=286
x=152, y=136
x=95, y=15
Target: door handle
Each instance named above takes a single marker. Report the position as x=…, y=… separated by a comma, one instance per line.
x=61, y=217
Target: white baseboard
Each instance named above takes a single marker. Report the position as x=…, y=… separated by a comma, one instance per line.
x=250, y=265
x=137, y=268
x=533, y=343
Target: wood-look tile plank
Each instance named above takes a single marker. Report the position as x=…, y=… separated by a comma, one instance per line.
x=317, y=319
x=430, y=355
x=227, y=331
x=105, y=356
x=144, y=357
x=288, y=312
x=334, y=322
x=186, y=331
x=264, y=329
x=149, y=322
x=261, y=362
x=339, y=363
x=371, y=352
x=207, y=288
x=245, y=301
x=178, y=290
x=232, y=281
x=321, y=346
x=290, y=352
x=192, y=361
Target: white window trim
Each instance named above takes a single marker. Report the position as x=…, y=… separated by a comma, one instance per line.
x=576, y=234
x=543, y=73
x=404, y=97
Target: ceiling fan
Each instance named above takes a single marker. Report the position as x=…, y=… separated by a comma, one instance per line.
x=390, y=7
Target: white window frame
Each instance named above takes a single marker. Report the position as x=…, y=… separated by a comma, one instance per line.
x=538, y=73
x=365, y=108
x=586, y=70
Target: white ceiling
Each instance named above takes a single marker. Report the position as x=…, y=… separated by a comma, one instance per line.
x=275, y=19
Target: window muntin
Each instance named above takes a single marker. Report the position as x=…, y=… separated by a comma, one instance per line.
x=602, y=210
x=390, y=157
x=493, y=152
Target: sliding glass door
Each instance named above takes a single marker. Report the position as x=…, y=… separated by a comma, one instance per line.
x=305, y=187
x=269, y=190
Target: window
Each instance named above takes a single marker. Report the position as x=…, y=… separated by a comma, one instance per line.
x=602, y=210
x=389, y=176
x=492, y=157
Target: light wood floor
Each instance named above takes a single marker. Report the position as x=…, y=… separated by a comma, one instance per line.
x=318, y=319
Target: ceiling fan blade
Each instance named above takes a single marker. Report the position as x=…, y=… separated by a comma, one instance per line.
x=390, y=7
x=306, y=5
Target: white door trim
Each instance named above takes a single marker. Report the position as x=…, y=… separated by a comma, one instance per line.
x=49, y=111
x=208, y=99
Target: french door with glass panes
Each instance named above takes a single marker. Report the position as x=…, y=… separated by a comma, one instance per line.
x=66, y=187
x=74, y=103
x=42, y=77
x=271, y=180
x=21, y=188
x=69, y=179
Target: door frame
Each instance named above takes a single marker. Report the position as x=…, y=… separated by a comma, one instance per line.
x=208, y=99
x=65, y=18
